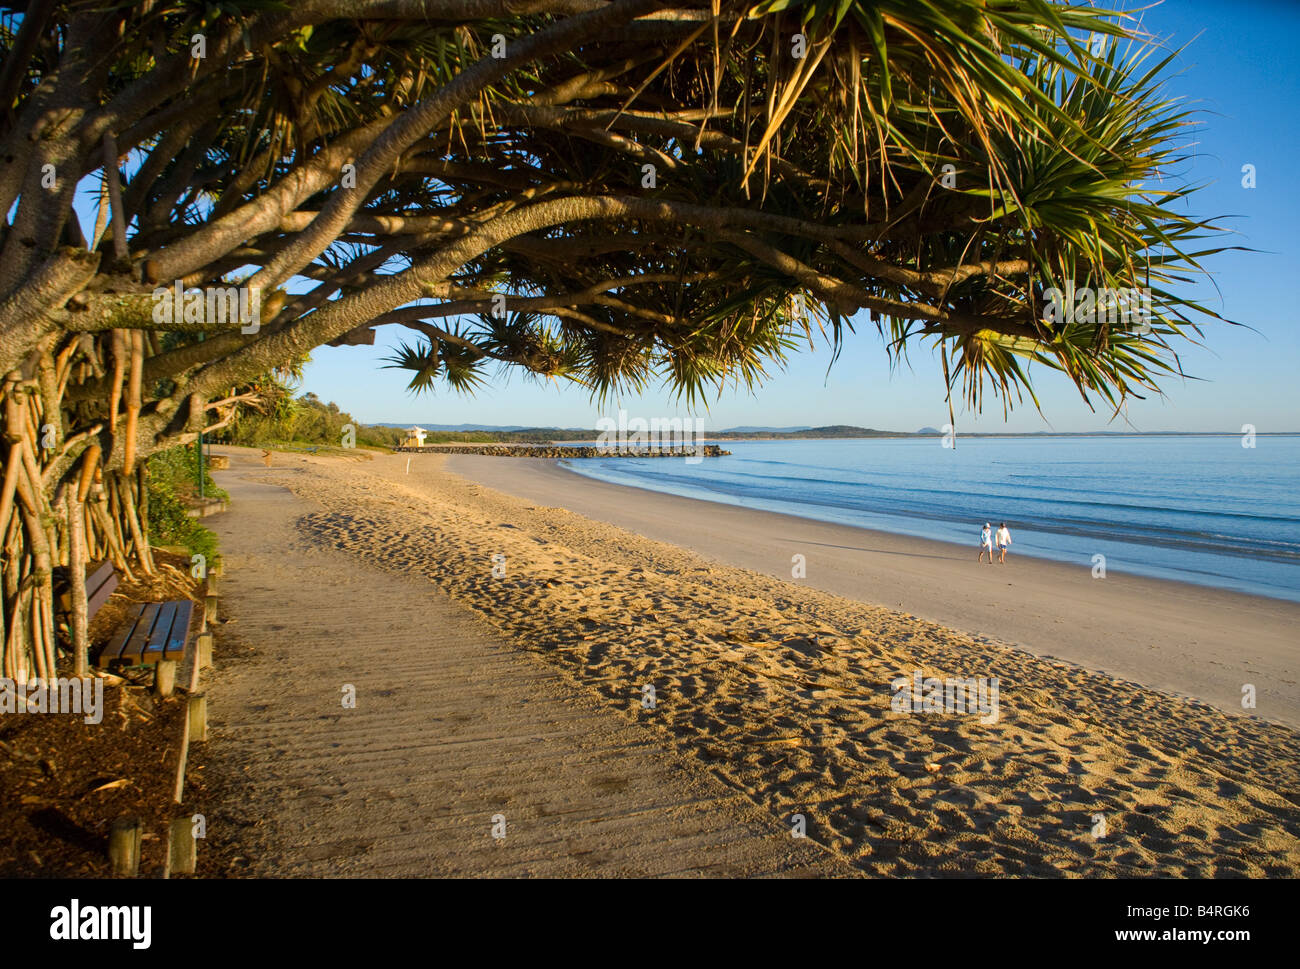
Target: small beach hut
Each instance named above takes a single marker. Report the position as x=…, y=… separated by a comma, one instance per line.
x=414, y=437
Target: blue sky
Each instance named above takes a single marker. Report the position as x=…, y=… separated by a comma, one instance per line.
x=1241, y=70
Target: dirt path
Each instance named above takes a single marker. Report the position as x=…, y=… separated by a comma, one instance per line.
x=451, y=726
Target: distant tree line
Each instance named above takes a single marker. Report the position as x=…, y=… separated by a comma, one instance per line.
x=304, y=420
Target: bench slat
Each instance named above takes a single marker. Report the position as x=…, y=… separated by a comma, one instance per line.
x=180, y=631
x=97, y=573
x=155, y=647
x=135, y=646
x=95, y=600
x=113, y=651
x=101, y=582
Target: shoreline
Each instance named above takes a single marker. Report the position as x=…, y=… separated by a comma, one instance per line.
x=1189, y=640
x=1058, y=557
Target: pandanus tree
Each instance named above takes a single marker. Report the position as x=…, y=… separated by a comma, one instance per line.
x=612, y=192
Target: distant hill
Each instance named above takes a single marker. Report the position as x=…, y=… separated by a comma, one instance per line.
x=830, y=431
x=462, y=428
x=928, y=430
x=764, y=430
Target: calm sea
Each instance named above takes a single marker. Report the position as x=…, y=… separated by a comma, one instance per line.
x=1196, y=509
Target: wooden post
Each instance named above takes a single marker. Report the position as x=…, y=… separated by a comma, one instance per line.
x=209, y=610
x=198, y=718
x=164, y=678
x=214, y=583
x=178, y=791
x=182, y=847
x=203, y=659
x=124, y=847
x=193, y=686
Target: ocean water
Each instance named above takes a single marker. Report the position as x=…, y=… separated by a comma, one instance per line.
x=1200, y=509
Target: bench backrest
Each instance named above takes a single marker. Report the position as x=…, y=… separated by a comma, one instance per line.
x=101, y=582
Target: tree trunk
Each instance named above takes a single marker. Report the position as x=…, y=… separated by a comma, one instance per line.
x=138, y=528
x=77, y=570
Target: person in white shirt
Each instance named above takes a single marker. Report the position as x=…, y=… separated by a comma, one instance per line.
x=986, y=542
x=1004, y=539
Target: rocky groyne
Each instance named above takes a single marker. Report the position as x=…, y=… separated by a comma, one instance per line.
x=569, y=451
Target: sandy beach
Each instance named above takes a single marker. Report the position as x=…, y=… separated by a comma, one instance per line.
x=1192, y=640
x=781, y=689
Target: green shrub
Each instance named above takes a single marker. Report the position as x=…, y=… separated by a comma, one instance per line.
x=172, y=477
x=306, y=420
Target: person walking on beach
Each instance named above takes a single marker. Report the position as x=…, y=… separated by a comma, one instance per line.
x=1004, y=539
x=986, y=542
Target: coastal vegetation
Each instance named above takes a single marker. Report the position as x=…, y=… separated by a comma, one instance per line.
x=172, y=479
x=305, y=420
x=615, y=194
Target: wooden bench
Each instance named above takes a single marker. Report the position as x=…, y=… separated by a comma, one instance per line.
x=153, y=631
